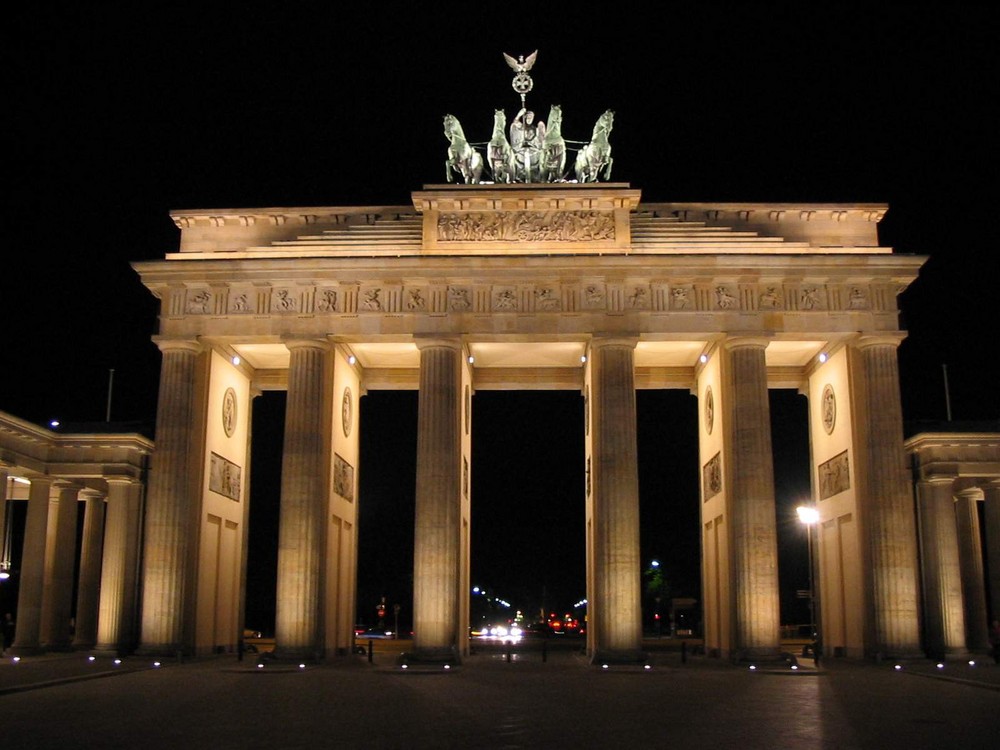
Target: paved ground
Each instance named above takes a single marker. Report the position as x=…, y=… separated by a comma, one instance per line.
x=492, y=703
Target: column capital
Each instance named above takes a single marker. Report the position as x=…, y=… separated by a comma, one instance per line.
x=600, y=340
x=744, y=342
x=294, y=342
x=866, y=341
x=166, y=344
x=937, y=479
x=87, y=492
x=437, y=342
x=126, y=481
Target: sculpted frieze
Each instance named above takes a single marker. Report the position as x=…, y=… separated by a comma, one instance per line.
x=527, y=226
x=547, y=299
x=371, y=300
x=504, y=299
x=771, y=298
x=812, y=298
x=459, y=298
x=594, y=297
x=637, y=298
x=327, y=300
x=415, y=300
x=199, y=302
x=725, y=299
x=240, y=302
x=630, y=296
x=857, y=298
x=284, y=301
x=711, y=477
x=834, y=476
x=682, y=298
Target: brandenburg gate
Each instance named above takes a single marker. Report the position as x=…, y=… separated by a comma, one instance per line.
x=529, y=286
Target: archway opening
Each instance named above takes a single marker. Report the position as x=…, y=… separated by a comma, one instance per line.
x=792, y=488
x=528, y=510
x=667, y=436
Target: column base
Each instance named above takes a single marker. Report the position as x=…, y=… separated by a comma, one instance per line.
x=296, y=654
x=430, y=659
x=607, y=658
x=24, y=651
x=909, y=654
x=164, y=650
x=758, y=654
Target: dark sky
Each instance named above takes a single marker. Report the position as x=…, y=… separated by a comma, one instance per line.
x=114, y=118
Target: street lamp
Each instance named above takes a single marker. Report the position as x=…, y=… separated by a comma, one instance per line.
x=809, y=516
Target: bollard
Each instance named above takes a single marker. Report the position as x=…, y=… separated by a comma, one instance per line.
x=371, y=649
x=684, y=652
x=508, y=651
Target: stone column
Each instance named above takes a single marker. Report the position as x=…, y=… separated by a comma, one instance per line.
x=615, y=473
x=173, y=483
x=437, y=533
x=754, y=555
x=885, y=500
x=970, y=551
x=3, y=516
x=119, y=568
x=301, y=534
x=29, y=599
x=88, y=590
x=991, y=520
x=944, y=614
x=60, y=559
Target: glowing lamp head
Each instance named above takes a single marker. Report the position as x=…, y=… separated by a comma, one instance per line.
x=807, y=514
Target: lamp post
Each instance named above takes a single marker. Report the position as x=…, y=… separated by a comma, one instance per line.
x=809, y=516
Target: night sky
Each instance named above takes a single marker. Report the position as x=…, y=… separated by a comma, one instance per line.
x=114, y=118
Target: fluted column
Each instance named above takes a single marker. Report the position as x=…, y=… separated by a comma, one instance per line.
x=944, y=614
x=754, y=559
x=173, y=483
x=119, y=568
x=29, y=598
x=301, y=540
x=991, y=520
x=437, y=534
x=3, y=514
x=60, y=559
x=889, y=523
x=617, y=564
x=88, y=590
x=970, y=551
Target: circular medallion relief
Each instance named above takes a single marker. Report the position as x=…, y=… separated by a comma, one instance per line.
x=229, y=412
x=709, y=410
x=829, y=408
x=346, y=411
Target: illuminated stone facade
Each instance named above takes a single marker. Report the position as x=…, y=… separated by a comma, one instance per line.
x=471, y=288
x=576, y=287
x=61, y=476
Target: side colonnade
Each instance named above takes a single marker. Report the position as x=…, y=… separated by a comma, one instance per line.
x=67, y=480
